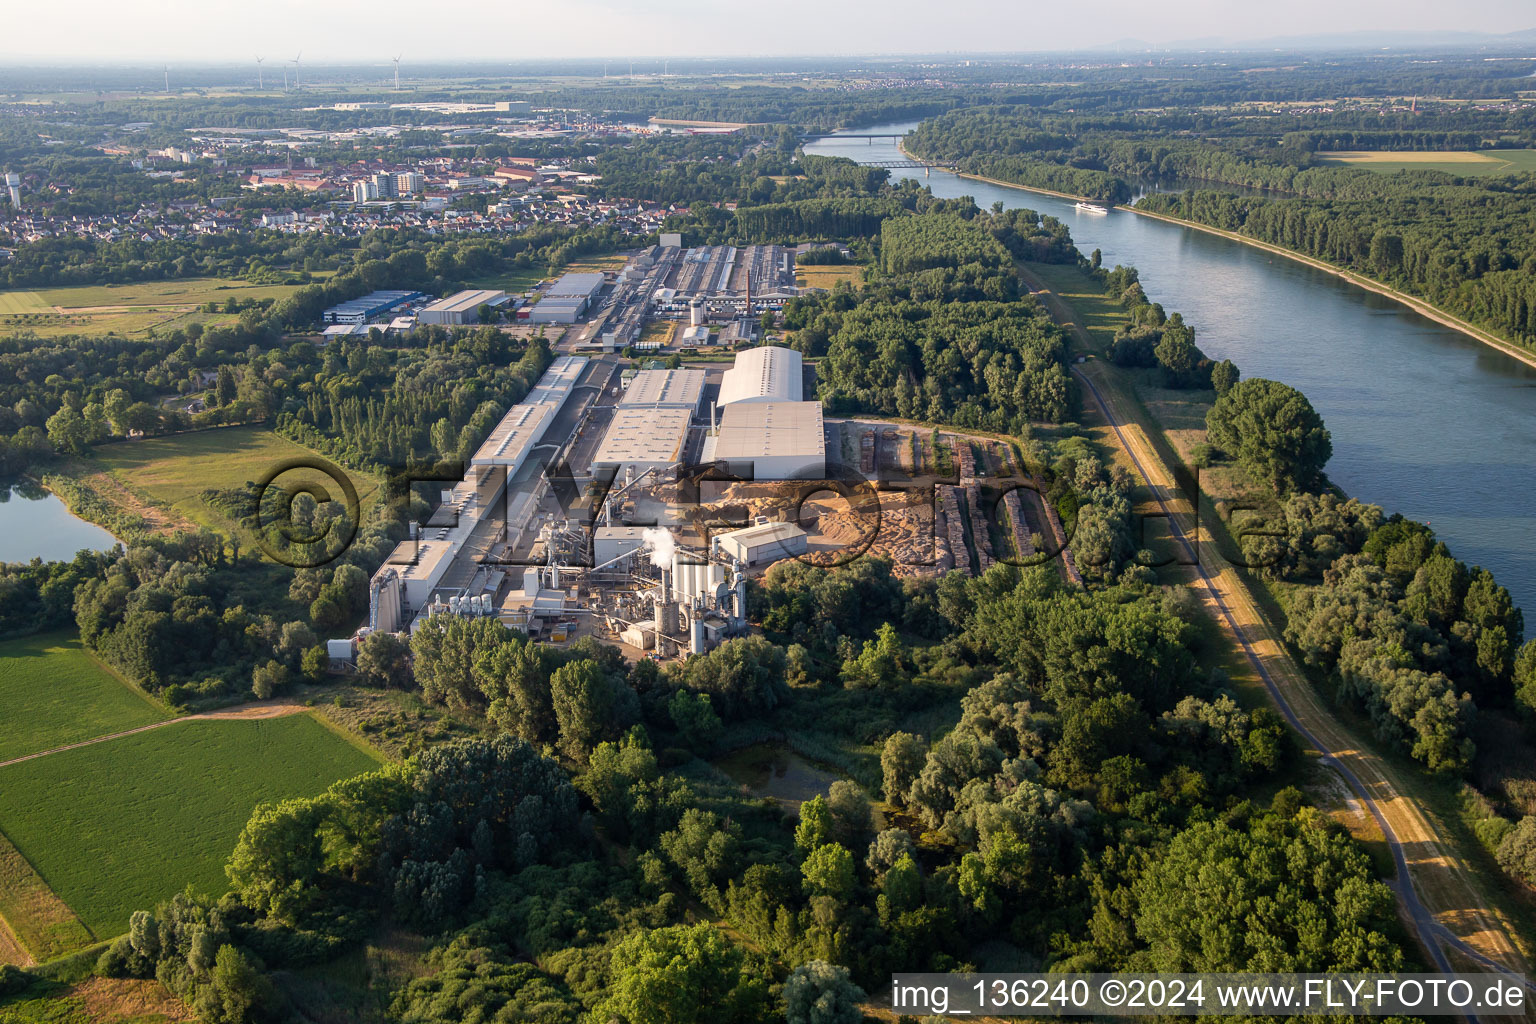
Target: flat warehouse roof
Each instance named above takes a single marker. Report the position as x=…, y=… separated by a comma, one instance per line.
x=764, y=533
x=419, y=560
x=643, y=435
x=676, y=388
x=524, y=424
x=584, y=285
x=463, y=302
x=518, y=431
x=757, y=430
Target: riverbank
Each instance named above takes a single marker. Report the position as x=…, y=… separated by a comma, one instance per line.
x=1418, y=305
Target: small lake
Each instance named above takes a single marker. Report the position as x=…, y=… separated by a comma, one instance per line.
x=778, y=774
x=34, y=523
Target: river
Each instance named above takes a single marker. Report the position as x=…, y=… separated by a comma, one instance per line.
x=1425, y=421
x=34, y=523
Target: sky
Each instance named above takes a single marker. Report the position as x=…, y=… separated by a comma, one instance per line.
x=216, y=31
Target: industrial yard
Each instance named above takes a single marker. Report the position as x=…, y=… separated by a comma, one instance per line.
x=634, y=505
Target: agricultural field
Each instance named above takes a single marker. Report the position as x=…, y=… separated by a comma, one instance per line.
x=131, y=821
x=1479, y=162
x=126, y=309
x=52, y=692
x=827, y=275
x=174, y=471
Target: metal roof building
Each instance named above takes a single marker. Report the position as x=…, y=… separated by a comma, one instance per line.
x=771, y=440
x=768, y=373
x=367, y=307
x=576, y=286
x=665, y=389
x=461, y=308
x=641, y=438
x=766, y=542
x=524, y=424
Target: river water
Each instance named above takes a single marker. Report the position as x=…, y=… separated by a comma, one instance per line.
x=1425, y=421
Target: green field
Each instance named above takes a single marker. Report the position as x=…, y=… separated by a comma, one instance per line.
x=52, y=693
x=126, y=309
x=115, y=827
x=176, y=470
x=191, y=291
x=22, y=302
x=1467, y=162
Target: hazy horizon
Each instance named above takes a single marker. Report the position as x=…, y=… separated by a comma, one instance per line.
x=223, y=31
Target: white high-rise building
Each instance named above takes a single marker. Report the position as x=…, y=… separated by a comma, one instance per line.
x=408, y=183
x=363, y=191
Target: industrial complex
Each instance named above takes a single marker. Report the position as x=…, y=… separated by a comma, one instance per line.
x=610, y=553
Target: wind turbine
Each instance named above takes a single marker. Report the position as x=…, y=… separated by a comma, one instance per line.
x=260, y=82
x=295, y=63
x=397, y=71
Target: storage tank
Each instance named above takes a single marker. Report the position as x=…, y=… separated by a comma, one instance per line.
x=667, y=618
x=696, y=633
x=696, y=313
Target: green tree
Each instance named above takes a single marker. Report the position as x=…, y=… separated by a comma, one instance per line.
x=828, y=871
x=817, y=992
x=1175, y=351
x=681, y=975
x=1223, y=376
x=584, y=705
x=815, y=827
x=383, y=660
x=1271, y=429
x=901, y=760
x=1525, y=677
x=224, y=388
x=68, y=431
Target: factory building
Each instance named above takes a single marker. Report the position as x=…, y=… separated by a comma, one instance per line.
x=508, y=446
x=403, y=586
x=567, y=299
x=763, y=543
x=770, y=441
x=420, y=564
x=462, y=307
x=665, y=389
x=768, y=373
x=643, y=438
x=363, y=309
x=612, y=545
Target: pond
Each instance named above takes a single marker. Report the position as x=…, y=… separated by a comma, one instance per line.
x=34, y=523
x=776, y=773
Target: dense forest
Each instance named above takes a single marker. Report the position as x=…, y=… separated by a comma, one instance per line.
x=943, y=334
x=1461, y=243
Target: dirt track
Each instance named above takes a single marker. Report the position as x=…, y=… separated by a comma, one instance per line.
x=1432, y=883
